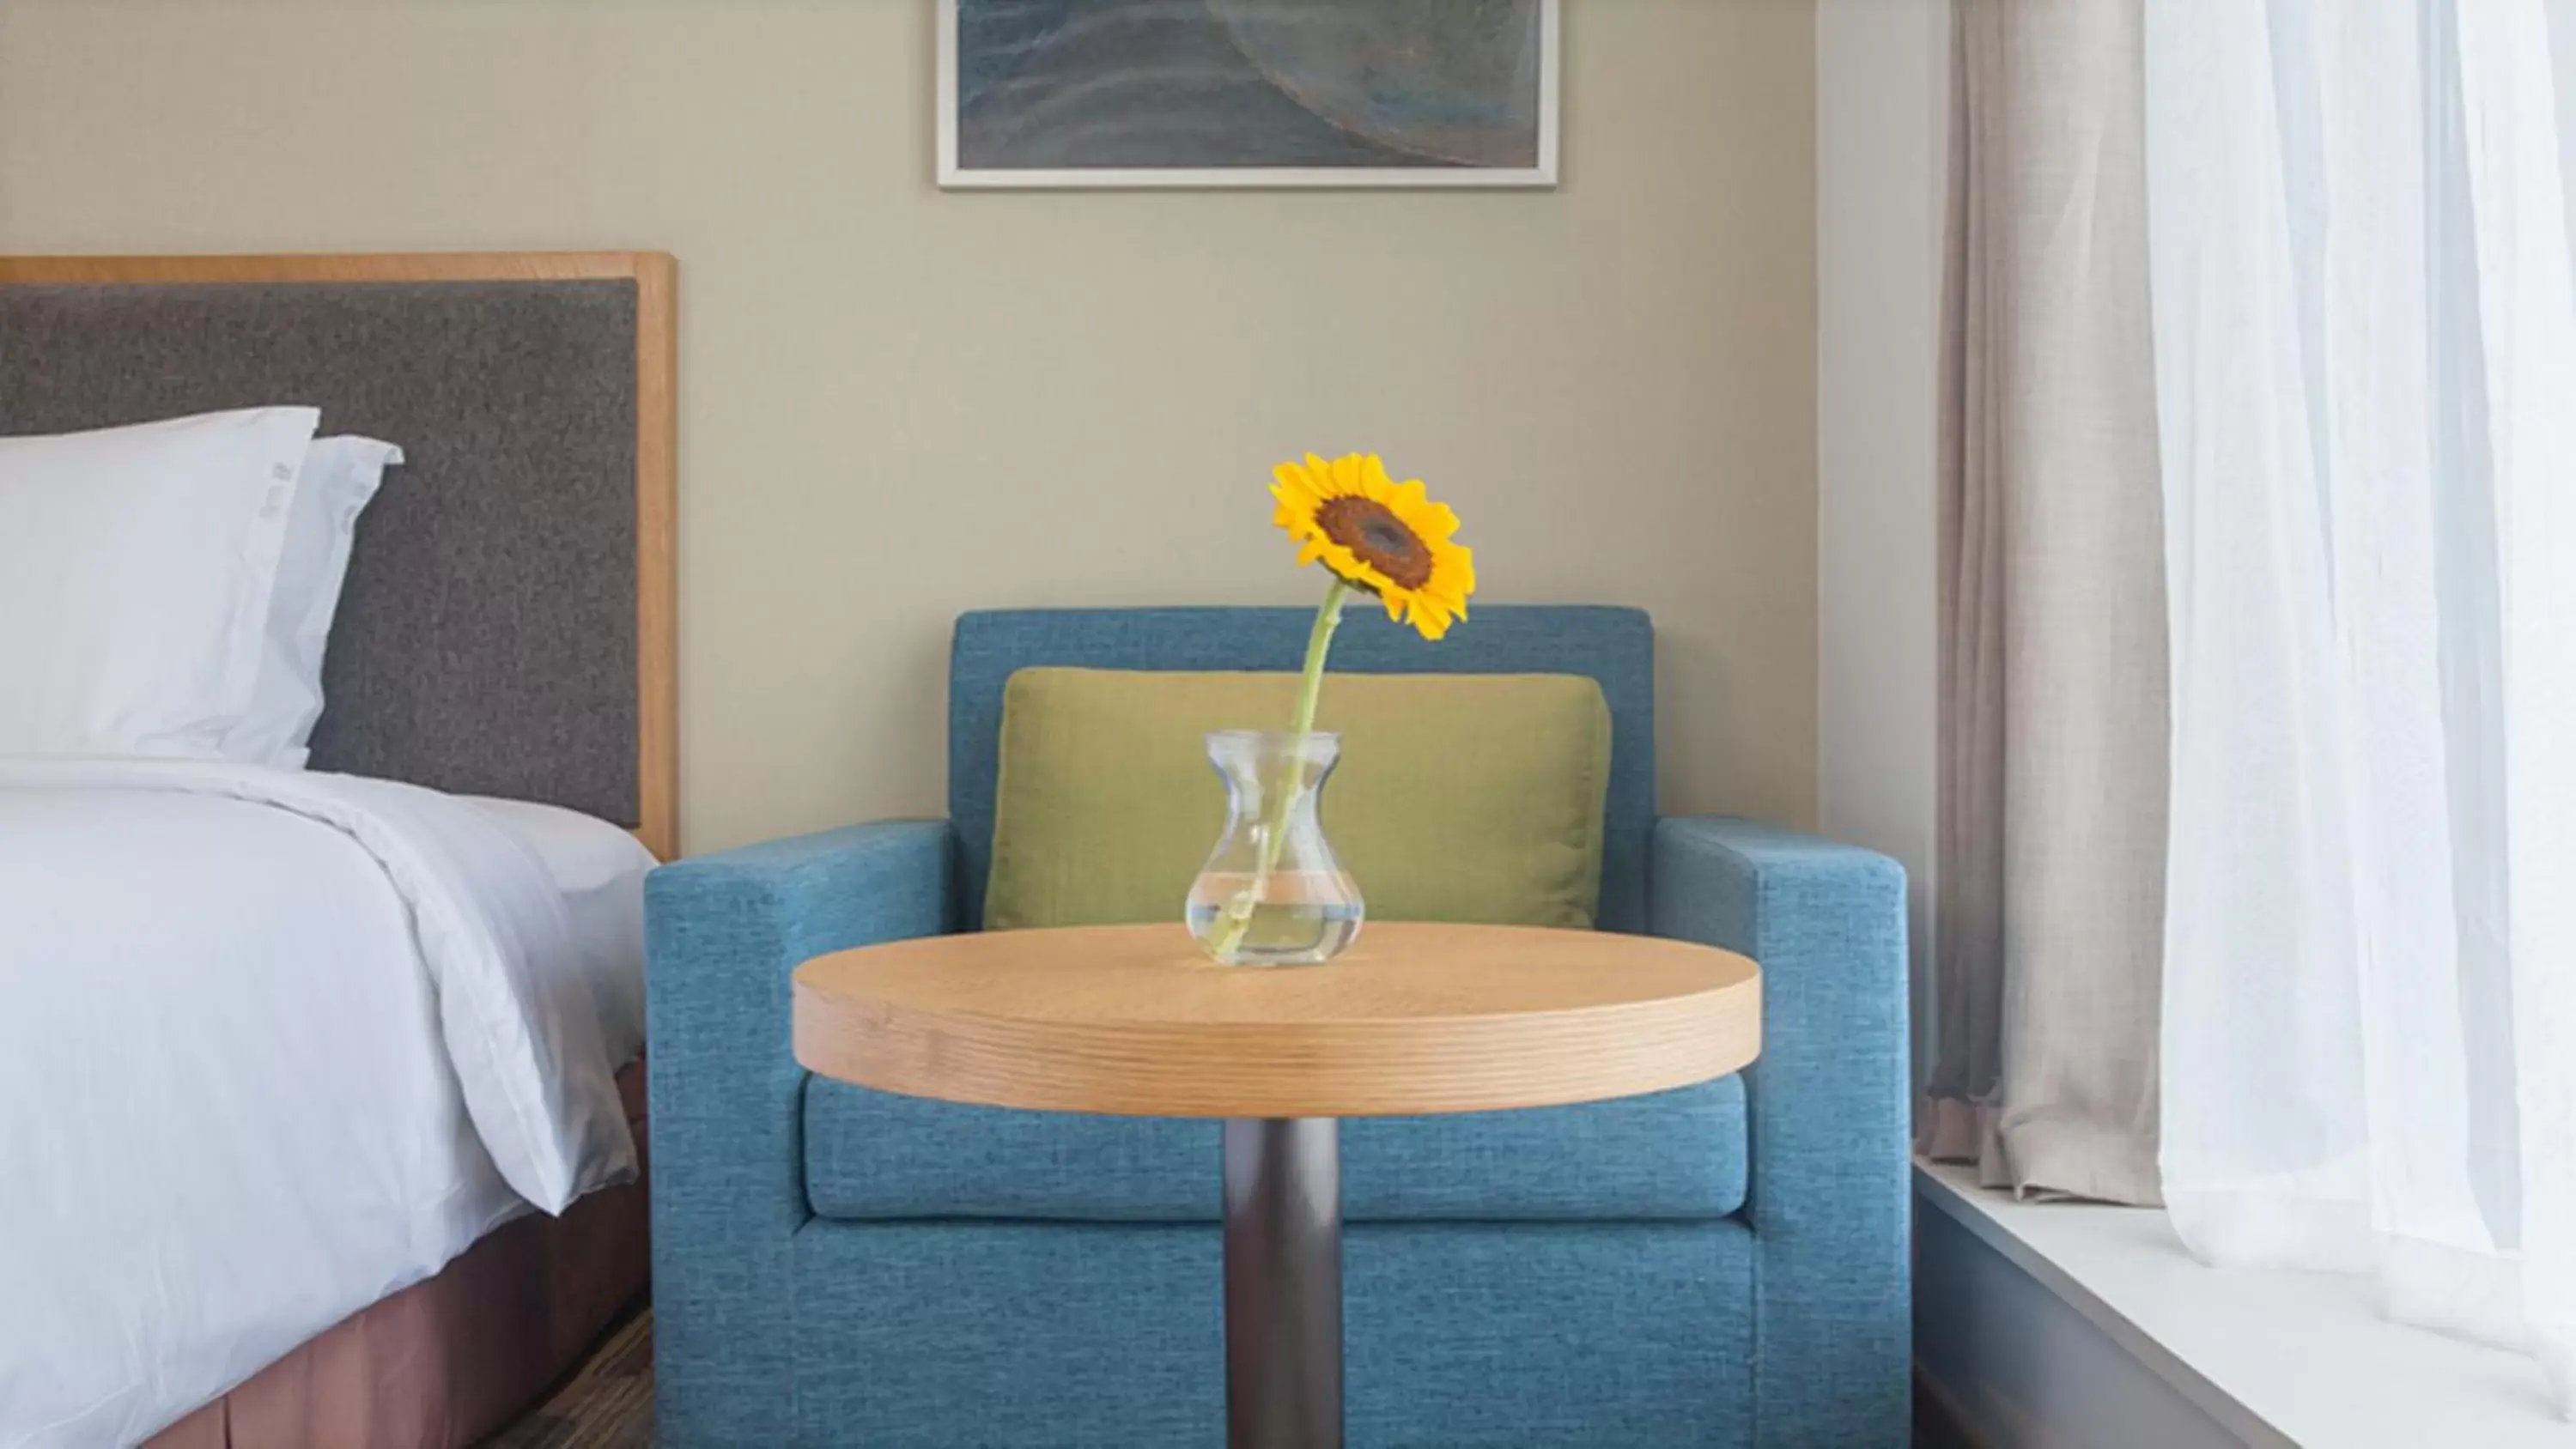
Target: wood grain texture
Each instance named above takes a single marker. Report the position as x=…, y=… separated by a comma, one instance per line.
x=657, y=602
x=657, y=712
x=1133, y=1021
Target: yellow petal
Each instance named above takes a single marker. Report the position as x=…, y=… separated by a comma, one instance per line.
x=1319, y=477
x=1371, y=470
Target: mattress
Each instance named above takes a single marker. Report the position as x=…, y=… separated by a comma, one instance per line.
x=273, y=1046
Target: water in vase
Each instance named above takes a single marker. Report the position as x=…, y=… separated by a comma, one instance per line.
x=1302, y=919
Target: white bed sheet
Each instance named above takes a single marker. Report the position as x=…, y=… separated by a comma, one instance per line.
x=243, y=1089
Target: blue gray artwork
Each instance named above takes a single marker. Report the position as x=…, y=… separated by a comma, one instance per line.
x=1076, y=84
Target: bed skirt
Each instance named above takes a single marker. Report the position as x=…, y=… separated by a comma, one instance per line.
x=454, y=1358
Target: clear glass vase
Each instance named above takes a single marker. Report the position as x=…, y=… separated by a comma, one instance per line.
x=1272, y=894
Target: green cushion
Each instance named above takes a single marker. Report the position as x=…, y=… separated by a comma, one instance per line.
x=1459, y=797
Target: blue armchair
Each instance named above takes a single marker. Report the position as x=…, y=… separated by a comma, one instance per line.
x=1723, y=1265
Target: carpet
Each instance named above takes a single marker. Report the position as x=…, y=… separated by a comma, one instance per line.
x=606, y=1404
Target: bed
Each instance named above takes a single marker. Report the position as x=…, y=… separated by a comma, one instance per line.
x=319, y=1100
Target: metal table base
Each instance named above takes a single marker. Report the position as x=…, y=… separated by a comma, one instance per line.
x=1283, y=1283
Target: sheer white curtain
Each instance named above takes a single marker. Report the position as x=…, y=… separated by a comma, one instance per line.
x=2364, y=306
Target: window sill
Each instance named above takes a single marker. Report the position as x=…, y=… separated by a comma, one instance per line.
x=2255, y=1357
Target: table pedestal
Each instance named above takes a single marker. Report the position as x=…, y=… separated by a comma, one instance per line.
x=1283, y=1283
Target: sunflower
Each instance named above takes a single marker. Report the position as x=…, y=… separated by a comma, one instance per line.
x=1378, y=535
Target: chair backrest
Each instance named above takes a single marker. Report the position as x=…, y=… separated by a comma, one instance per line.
x=1613, y=646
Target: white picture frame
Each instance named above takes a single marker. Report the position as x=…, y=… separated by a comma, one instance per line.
x=954, y=176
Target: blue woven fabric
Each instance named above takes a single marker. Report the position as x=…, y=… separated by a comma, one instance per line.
x=723, y=935
x=1828, y=1114
x=1615, y=647
x=1673, y=1155
x=1457, y=1336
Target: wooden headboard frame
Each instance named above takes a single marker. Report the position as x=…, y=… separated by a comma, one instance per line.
x=656, y=439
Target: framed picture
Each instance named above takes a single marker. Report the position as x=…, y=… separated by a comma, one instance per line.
x=1226, y=93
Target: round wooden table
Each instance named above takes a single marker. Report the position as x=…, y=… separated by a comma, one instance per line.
x=1133, y=1021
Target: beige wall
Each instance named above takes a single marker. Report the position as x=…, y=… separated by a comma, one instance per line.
x=898, y=403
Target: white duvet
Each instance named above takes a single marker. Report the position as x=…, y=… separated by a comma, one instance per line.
x=273, y=1045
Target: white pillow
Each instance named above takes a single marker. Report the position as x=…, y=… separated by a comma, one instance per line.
x=339, y=476
x=136, y=566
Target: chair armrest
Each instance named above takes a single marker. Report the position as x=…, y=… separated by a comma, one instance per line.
x=723, y=935
x=1826, y=1110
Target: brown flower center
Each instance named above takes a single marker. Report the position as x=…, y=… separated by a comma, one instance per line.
x=1371, y=530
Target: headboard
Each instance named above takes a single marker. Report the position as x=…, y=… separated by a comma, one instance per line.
x=508, y=623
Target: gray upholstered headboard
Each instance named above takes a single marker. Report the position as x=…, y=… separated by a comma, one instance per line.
x=506, y=628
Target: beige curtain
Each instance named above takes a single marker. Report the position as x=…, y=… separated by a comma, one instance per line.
x=2053, y=721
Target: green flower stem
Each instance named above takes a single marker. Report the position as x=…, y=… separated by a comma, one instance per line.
x=1319, y=643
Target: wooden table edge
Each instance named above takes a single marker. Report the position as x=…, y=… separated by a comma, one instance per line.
x=1379, y=1068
